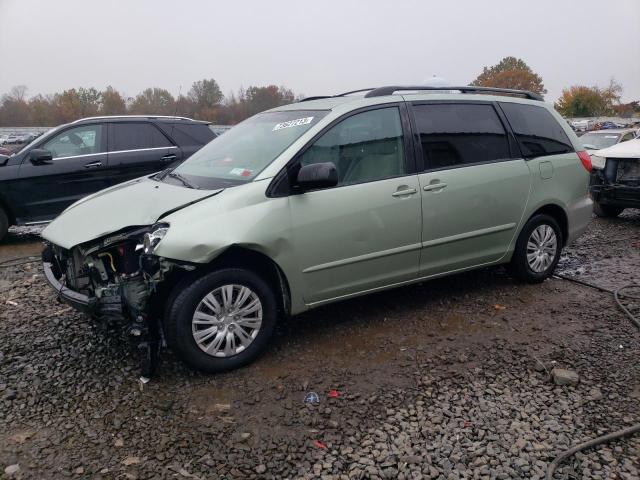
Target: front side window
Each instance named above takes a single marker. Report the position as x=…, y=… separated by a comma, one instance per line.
x=459, y=134
x=537, y=131
x=136, y=136
x=243, y=152
x=83, y=140
x=364, y=147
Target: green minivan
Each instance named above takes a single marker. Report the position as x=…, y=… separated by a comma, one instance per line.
x=318, y=201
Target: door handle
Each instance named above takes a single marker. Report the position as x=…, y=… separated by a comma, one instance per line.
x=93, y=164
x=434, y=186
x=168, y=158
x=404, y=191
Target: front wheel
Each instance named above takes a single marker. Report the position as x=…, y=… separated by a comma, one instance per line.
x=537, y=250
x=222, y=320
x=606, y=211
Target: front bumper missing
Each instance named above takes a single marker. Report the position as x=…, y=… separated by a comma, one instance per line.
x=616, y=195
x=80, y=302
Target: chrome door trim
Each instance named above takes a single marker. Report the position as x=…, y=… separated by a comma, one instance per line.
x=141, y=150
x=362, y=258
x=472, y=234
x=115, y=152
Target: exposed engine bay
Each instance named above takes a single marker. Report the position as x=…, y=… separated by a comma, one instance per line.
x=116, y=278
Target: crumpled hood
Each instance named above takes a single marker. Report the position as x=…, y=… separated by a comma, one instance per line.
x=138, y=202
x=628, y=149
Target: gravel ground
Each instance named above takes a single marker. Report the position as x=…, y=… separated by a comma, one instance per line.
x=449, y=379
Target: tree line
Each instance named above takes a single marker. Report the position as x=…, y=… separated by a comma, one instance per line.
x=205, y=101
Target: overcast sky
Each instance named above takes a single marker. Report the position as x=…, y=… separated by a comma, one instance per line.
x=313, y=47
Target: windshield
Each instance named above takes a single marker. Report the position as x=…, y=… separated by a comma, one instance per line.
x=596, y=141
x=245, y=150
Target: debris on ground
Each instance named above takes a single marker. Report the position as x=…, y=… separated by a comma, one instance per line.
x=564, y=377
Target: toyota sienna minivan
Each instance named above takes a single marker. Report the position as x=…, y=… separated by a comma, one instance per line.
x=319, y=201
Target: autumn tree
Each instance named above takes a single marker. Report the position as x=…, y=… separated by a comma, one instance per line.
x=43, y=110
x=510, y=72
x=14, y=110
x=112, y=102
x=627, y=109
x=154, y=101
x=581, y=101
x=205, y=94
x=258, y=99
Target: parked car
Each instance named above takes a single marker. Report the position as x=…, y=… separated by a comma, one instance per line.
x=13, y=139
x=80, y=158
x=599, y=139
x=319, y=201
x=5, y=151
x=615, y=180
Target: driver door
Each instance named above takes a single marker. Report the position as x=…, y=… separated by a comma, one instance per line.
x=76, y=170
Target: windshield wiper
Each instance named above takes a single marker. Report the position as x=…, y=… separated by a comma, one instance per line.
x=184, y=181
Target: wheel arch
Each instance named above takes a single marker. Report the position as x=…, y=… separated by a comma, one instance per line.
x=237, y=256
x=559, y=214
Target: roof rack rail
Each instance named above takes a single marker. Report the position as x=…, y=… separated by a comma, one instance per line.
x=383, y=91
x=100, y=117
x=354, y=91
x=318, y=97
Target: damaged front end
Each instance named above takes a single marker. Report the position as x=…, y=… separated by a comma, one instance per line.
x=618, y=183
x=118, y=278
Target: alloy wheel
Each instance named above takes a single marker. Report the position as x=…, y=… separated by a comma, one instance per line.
x=541, y=248
x=227, y=320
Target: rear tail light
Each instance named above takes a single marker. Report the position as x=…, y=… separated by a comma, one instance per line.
x=586, y=160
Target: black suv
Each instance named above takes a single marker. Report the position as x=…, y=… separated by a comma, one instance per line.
x=82, y=157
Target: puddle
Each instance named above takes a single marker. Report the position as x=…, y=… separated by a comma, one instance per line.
x=21, y=242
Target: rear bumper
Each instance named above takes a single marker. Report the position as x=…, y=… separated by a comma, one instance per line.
x=579, y=215
x=616, y=195
x=77, y=300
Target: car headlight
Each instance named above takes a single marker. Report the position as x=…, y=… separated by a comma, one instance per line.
x=598, y=162
x=152, y=238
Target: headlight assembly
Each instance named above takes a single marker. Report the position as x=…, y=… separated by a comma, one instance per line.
x=152, y=238
x=598, y=162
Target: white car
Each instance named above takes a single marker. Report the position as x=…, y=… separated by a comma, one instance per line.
x=615, y=179
x=599, y=139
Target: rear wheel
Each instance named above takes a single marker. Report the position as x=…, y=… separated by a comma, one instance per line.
x=537, y=250
x=606, y=210
x=4, y=224
x=222, y=320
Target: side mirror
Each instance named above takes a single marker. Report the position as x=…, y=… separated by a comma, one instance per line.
x=317, y=175
x=39, y=156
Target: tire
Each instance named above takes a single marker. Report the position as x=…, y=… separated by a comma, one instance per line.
x=4, y=224
x=215, y=326
x=606, y=211
x=543, y=261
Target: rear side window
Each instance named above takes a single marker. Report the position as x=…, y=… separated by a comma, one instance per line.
x=136, y=136
x=190, y=134
x=459, y=134
x=537, y=131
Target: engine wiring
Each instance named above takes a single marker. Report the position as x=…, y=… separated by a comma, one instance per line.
x=620, y=433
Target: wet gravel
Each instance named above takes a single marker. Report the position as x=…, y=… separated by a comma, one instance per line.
x=449, y=379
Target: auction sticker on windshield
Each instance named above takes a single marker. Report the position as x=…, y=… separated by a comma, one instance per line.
x=293, y=123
